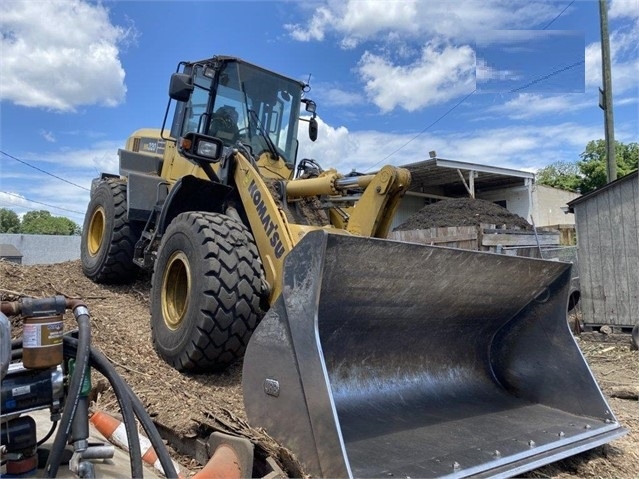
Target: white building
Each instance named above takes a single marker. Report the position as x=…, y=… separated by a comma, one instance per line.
x=438, y=178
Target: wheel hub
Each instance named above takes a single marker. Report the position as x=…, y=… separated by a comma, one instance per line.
x=176, y=287
x=96, y=231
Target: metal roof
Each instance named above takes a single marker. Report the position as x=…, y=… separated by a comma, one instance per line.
x=439, y=174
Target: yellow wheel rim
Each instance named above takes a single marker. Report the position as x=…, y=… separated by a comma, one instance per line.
x=176, y=288
x=96, y=231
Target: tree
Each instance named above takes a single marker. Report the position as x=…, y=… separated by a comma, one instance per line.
x=589, y=173
x=561, y=174
x=41, y=222
x=9, y=221
x=594, y=158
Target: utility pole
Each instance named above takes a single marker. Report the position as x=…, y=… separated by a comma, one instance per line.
x=605, y=95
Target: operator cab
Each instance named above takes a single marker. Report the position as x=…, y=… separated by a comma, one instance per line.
x=239, y=105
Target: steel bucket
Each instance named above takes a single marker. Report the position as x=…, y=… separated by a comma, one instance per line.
x=383, y=359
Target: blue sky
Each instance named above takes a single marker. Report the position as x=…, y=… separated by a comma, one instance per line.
x=510, y=83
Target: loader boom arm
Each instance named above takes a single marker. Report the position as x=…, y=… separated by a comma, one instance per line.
x=371, y=215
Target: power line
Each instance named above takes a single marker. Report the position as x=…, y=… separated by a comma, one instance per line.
x=546, y=77
x=560, y=14
x=43, y=171
x=13, y=205
x=40, y=203
x=523, y=87
x=467, y=96
x=426, y=128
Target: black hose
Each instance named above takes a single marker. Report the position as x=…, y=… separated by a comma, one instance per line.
x=54, y=424
x=73, y=395
x=121, y=394
x=96, y=359
x=104, y=366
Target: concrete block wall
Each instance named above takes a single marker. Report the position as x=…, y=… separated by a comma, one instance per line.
x=44, y=249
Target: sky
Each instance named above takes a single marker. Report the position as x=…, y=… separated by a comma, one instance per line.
x=508, y=83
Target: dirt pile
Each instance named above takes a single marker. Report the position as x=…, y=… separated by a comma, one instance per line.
x=463, y=212
x=196, y=404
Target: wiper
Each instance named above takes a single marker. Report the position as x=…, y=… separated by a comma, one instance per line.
x=267, y=139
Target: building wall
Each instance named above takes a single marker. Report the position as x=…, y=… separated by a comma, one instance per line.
x=517, y=199
x=543, y=202
x=607, y=224
x=44, y=249
x=547, y=204
x=408, y=206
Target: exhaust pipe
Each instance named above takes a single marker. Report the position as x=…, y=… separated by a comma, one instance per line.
x=383, y=358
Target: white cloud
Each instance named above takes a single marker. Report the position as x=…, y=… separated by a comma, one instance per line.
x=355, y=21
x=331, y=145
x=314, y=30
x=624, y=51
x=102, y=156
x=485, y=72
x=529, y=148
x=624, y=8
x=625, y=71
x=61, y=54
x=48, y=135
x=440, y=74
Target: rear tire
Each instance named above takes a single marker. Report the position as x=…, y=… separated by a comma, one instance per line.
x=108, y=238
x=206, y=288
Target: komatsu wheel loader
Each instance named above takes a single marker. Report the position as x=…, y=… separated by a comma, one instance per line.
x=367, y=357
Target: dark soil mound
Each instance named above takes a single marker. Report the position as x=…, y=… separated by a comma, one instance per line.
x=463, y=212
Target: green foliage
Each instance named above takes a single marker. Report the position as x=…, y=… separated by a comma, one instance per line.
x=9, y=221
x=41, y=222
x=562, y=175
x=37, y=223
x=589, y=173
x=594, y=159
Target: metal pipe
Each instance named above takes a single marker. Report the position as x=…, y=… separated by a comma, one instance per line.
x=353, y=181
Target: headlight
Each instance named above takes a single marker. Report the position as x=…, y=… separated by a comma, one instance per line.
x=207, y=149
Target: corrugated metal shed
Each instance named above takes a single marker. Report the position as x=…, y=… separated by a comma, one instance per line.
x=607, y=221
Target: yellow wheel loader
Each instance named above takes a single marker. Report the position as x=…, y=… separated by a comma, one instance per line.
x=367, y=357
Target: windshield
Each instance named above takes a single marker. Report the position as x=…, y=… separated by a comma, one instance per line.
x=252, y=103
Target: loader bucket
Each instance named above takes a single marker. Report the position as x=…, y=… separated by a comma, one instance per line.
x=389, y=359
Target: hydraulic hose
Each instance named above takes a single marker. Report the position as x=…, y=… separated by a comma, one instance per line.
x=124, y=392
x=81, y=314
x=130, y=404
x=120, y=389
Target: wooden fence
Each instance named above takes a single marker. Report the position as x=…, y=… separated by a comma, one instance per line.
x=484, y=237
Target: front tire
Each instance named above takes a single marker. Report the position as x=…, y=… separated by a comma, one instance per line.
x=108, y=238
x=206, y=291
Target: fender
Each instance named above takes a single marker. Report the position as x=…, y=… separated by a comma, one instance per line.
x=190, y=193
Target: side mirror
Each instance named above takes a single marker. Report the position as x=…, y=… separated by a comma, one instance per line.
x=312, y=129
x=181, y=87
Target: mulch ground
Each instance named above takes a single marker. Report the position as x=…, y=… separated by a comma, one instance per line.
x=191, y=404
